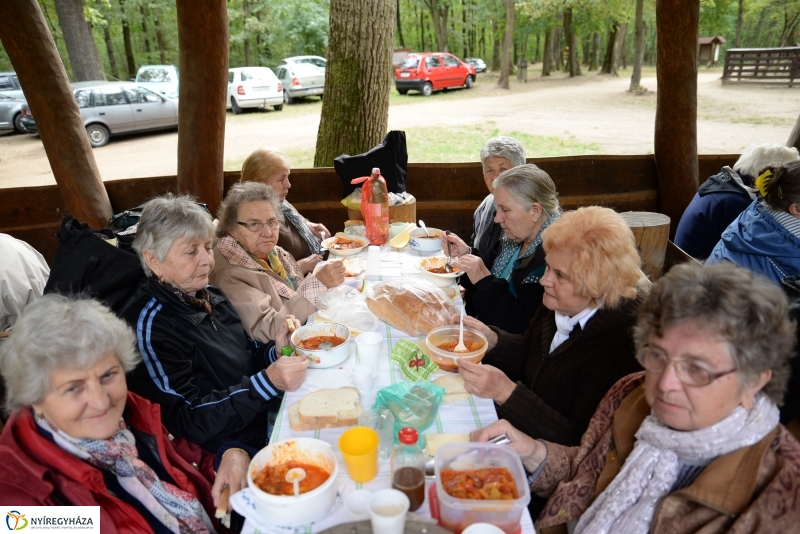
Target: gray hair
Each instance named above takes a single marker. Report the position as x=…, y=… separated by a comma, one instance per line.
x=731, y=302
x=59, y=332
x=503, y=147
x=528, y=184
x=756, y=158
x=166, y=219
x=240, y=193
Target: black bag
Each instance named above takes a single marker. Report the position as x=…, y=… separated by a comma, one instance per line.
x=391, y=157
x=85, y=264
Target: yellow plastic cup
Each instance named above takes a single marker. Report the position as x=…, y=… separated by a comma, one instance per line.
x=359, y=446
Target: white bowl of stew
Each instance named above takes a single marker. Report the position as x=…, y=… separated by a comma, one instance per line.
x=433, y=270
x=422, y=242
x=306, y=341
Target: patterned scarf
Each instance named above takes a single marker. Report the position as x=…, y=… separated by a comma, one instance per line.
x=201, y=300
x=178, y=510
x=294, y=218
x=627, y=505
x=508, y=247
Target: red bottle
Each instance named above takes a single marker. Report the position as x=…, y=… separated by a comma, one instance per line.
x=375, y=206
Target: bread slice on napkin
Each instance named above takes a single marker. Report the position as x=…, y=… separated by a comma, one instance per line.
x=454, y=390
x=335, y=407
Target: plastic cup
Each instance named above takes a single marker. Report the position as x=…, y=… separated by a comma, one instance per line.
x=482, y=528
x=362, y=376
x=396, y=228
x=373, y=260
x=357, y=504
x=359, y=448
x=369, y=347
x=387, y=511
x=381, y=421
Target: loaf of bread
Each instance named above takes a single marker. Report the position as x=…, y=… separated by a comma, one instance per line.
x=412, y=305
x=326, y=408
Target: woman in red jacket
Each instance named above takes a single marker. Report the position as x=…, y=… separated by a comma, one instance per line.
x=76, y=436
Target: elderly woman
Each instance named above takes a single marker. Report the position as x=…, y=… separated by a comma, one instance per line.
x=78, y=437
x=765, y=237
x=508, y=295
x=262, y=281
x=213, y=382
x=694, y=444
x=497, y=156
x=299, y=236
x=549, y=380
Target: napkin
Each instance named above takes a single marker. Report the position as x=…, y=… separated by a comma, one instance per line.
x=415, y=365
x=242, y=501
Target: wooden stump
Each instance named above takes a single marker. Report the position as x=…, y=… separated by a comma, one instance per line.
x=401, y=213
x=651, y=233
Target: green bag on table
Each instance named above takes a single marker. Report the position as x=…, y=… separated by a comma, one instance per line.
x=413, y=362
x=412, y=404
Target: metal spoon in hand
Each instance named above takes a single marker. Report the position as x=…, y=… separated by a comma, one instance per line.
x=422, y=225
x=447, y=266
x=296, y=475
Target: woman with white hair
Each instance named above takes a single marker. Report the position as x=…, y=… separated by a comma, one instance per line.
x=502, y=284
x=497, y=156
x=78, y=437
x=213, y=382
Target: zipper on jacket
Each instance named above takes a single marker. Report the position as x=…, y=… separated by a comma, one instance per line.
x=213, y=324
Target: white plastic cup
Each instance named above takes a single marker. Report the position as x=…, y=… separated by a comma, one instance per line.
x=357, y=504
x=381, y=421
x=387, y=511
x=396, y=228
x=374, y=260
x=362, y=376
x=482, y=528
x=369, y=346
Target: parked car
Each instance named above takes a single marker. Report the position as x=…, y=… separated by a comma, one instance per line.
x=9, y=85
x=11, y=114
x=253, y=87
x=301, y=79
x=478, y=63
x=318, y=61
x=113, y=108
x=431, y=71
x=162, y=79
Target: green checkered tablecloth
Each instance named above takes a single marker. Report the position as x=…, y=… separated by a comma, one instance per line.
x=457, y=418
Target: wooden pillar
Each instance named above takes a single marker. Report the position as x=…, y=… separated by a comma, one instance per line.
x=794, y=136
x=651, y=233
x=203, y=41
x=677, y=23
x=33, y=53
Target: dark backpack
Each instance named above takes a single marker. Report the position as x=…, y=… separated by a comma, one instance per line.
x=391, y=157
x=86, y=264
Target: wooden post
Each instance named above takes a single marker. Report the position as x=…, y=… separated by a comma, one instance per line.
x=794, y=136
x=677, y=24
x=33, y=53
x=651, y=232
x=203, y=41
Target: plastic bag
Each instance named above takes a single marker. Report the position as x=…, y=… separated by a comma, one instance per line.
x=353, y=200
x=412, y=305
x=413, y=404
x=375, y=206
x=347, y=306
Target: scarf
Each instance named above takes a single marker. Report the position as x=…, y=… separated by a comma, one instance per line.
x=200, y=301
x=565, y=324
x=178, y=510
x=509, y=247
x=627, y=505
x=294, y=218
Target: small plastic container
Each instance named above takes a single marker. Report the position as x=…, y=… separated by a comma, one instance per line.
x=457, y=514
x=446, y=360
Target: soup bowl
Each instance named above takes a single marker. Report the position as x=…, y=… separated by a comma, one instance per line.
x=432, y=242
x=448, y=360
x=319, y=358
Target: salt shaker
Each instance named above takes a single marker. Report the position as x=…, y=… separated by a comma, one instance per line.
x=374, y=261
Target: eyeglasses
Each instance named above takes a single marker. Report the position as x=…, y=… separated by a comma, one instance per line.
x=273, y=225
x=687, y=372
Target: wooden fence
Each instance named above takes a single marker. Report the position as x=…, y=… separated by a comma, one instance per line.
x=761, y=65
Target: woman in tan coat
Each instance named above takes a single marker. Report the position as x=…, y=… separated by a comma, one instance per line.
x=263, y=281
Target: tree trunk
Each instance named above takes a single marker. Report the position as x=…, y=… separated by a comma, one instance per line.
x=496, y=46
x=464, y=32
x=399, y=27
x=147, y=48
x=595, y=58
x=126, y=38
x=536, y=54
x=638, y=55
x=547, y=56
x=505, y=67
x=355, y=112
x=203, y=46
x=569, y=33
x=246, y=15
x=439, y=16
x=558, y=57
x=676, y=110
x=421, y=28
x=618, y=44
x=112, y=60
x=623, y=52
x=34, y=56
x=587, y=50
x=83, y=56
x=739, y=18
x=162, y=47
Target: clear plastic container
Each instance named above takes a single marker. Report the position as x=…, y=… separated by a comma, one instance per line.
x=446, y=360
x=457, y=514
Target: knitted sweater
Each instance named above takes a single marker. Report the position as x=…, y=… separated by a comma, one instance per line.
x=557, y=393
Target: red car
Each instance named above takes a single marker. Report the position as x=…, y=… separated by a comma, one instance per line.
x=431, y=71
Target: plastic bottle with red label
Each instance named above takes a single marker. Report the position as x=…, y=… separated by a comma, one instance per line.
x=408, y=467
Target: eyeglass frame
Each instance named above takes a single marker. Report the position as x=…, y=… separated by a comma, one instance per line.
x=641, y=355
x=272, y=224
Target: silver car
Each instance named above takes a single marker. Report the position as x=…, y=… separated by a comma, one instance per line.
x=9, y=85
x=301, y=79
x=112, y=108
x=11, y=114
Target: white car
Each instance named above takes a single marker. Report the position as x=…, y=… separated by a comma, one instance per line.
x=253, y=87
x=317, y=61
x=162, y=79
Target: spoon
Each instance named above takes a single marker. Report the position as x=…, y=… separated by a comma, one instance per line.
x=296, y=475
x=422, y=225
x=461, y=347
x=325, y=345
x=447, y=266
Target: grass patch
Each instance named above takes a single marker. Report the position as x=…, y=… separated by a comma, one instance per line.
x=301, y=158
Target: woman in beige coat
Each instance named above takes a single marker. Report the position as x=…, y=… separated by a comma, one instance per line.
x=263, y=281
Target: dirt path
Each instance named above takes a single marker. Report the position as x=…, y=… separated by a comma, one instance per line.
x=590, y=109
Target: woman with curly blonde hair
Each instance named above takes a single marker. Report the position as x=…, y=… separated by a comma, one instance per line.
x=548, y=381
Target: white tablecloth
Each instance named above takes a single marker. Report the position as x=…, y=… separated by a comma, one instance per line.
x=457, y=418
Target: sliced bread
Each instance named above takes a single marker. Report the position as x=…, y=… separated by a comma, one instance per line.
x=338, y=407
x=454, y=390
x=299, y=426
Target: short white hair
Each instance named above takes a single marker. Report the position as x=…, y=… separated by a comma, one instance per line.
x=60, y=332
x=503, y=147
x=756, y=158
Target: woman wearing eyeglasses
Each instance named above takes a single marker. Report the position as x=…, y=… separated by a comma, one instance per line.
x=693, y=443
x=263, y=281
